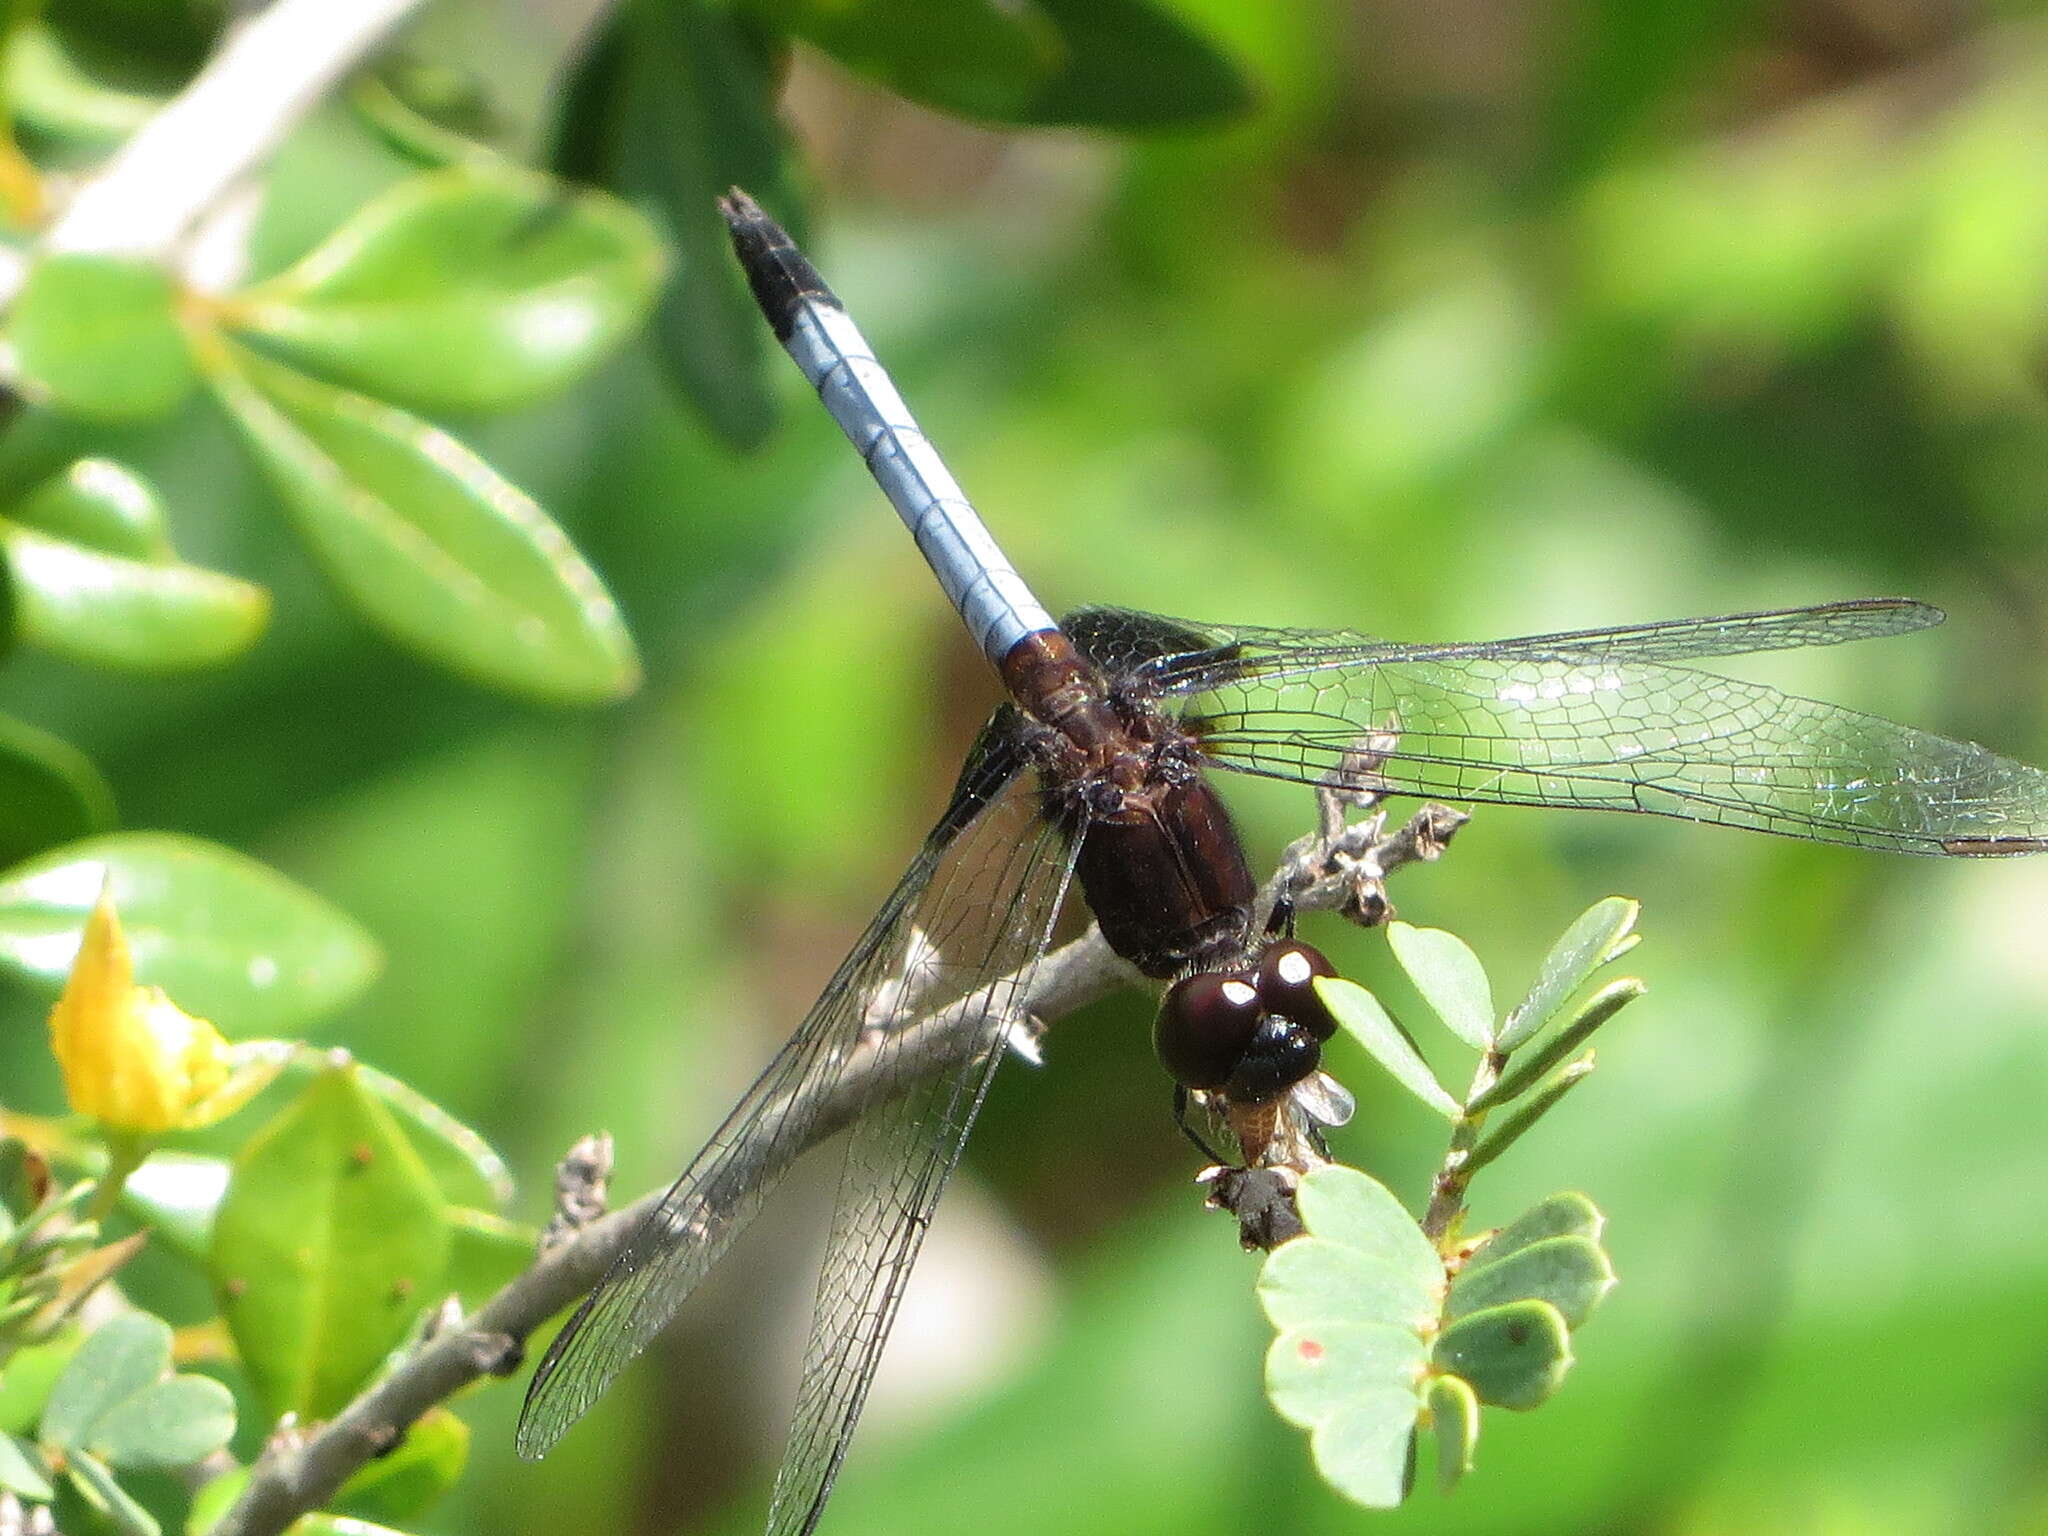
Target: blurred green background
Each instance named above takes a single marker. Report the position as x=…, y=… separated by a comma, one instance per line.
x=1489, y=320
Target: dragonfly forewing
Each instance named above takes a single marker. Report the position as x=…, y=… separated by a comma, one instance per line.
x=899, y=1046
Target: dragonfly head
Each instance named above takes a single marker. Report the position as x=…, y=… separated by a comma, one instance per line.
x=1250, y=1034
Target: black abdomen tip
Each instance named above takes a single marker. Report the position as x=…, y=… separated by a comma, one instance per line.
x=782, y=278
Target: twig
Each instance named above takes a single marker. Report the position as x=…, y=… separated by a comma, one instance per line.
x=268, y=74
x=290, y=1481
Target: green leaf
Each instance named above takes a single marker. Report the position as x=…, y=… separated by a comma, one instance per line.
x=1313, y=1282
x=1567, y=1215
x=106, y=610
x=31, y=1376
x=1454, y=1411
x=174, y=1423
x=1358, y=1011
x=225, y=936
x=1571, y=1273
x=50, y=793
x=476, y=288
x=465, y=1168
x=216, y=1497
x=99, y=336
x=52, y=93
x=119, y=1359
x=22, y=1470
x=331, y=1239
x=1523, y=1119
x=176, y=1194
x=1598, y=935
x=1514, y=1356
x=1585, y=1021
x=1356, y=1386
x=429, y=541
x=102, y=505
x=488, y=1253
x=1450, y=979
x=104, y=1493
x=977, y=58
x=401, y=1484
x=694, y=103
x=1133, y=64
x=1342, y=1205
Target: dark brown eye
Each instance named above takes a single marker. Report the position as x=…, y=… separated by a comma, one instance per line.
x=1287, y=985
x=1205, y=1023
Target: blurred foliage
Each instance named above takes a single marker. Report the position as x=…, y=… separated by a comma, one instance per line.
x=1435, y=324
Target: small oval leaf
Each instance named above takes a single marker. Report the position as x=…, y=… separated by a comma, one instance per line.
x=1514, y=1356
x=1454, y=1412
x=1310, y=1281
x=99, y=336
x=111, y=611
x=171, y=1423
x=1343, y=1205
x=1569, y=1214
x=116, y=1361
x=330, y=1241
x=102, y=505
x=429, y=541
x=50, y=793
x=1598, y=935
x=1355, y=1387
x=226, y=937
x=22, y=1471
x=476, y=288
x=1571, y=1273
x=1368, y=1022
x=1450, y=979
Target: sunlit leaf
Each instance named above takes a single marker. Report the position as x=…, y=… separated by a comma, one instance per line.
x=53, y=93
x=1569, y=1214
x=331, y=1239
x=1514, y=1356
x=1600, y=934
x=1449, y=977
x=117, y=1360
x=1368, y=1021
x=226, y=937
x=429, y=541
x=102, y=505
x=172, y=1423
x=106, y=610
x=477, y=288
x=50, y=793
x=99, y=336
x=22, y=1471
x=1454, y=1413
x=1571, y=1273
x=425, y=1465
x=1356, y=1386
x=176, y=1194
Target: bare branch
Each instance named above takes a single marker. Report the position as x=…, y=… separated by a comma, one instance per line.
x=1317, y=874
x=266, y=76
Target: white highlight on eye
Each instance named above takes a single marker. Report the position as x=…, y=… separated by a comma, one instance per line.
x=1239, y=993
x=1293, y=968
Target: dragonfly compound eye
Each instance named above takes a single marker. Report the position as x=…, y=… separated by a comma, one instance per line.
x=1205, y=1025
x=1280, y=1055
x=1287, y=985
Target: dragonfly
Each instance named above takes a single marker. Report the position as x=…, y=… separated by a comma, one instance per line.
x=1095, y=772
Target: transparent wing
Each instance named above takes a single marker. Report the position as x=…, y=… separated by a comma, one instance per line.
x=1598, y=719
x=1231, y=651
x=974, y=906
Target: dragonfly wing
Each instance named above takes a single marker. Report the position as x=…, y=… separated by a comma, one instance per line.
x=996, y=897
x=801, y=1097
x=1597, y=721
x=1213, y=654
